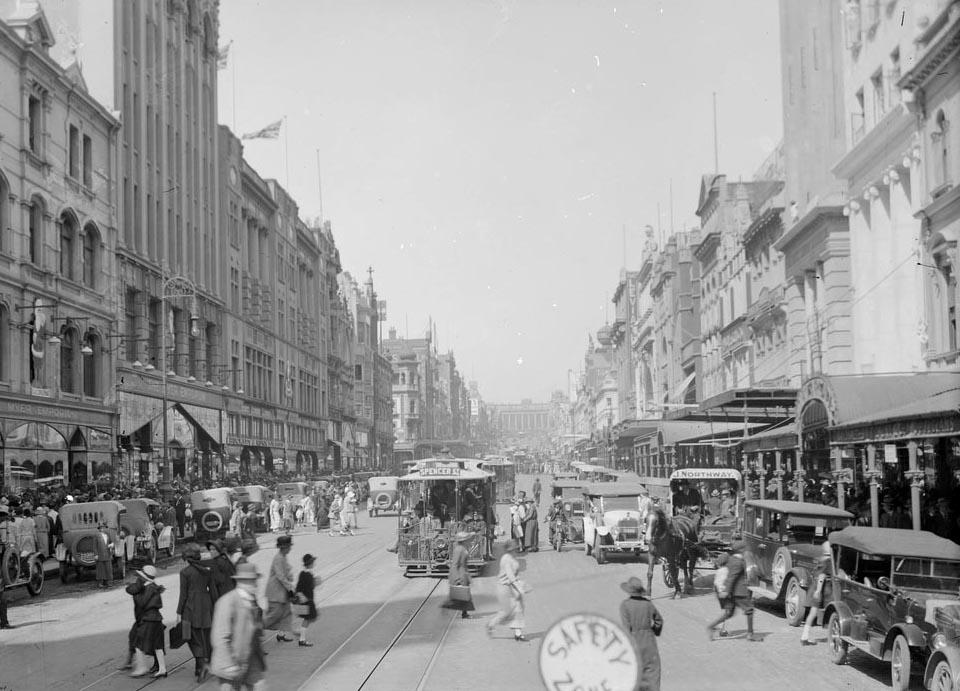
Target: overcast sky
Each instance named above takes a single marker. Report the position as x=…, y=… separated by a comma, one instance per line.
x=484, y=156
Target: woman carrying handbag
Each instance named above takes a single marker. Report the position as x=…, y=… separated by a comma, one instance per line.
x=459, y=578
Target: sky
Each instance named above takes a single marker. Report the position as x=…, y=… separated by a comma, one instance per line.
x=496, y=161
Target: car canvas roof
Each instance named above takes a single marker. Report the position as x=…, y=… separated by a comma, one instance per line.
x=615, y=489
x=568, y=484
x=800, y=508
x=897, y=542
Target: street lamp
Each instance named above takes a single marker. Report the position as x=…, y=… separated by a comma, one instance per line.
x=173, y=287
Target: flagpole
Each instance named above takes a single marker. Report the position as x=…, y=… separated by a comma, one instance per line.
x=233, y=72
x=286, y=151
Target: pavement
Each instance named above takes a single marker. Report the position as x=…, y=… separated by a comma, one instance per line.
x=74, y=638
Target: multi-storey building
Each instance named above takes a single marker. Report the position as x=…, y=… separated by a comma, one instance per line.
x=479, y=416
x=341, y=423
x=645, y=371
x=624, y=299
x=58, y=281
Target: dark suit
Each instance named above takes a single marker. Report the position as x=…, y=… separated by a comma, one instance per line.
x=196, y=609
x=180, y=509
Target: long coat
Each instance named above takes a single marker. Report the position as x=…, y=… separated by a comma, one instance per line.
x=196, y=597
x=640, y=618
x=279, y=586
x=236, y=639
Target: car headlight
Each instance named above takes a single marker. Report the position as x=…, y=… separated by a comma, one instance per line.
x=614, y=532
x=938, y=640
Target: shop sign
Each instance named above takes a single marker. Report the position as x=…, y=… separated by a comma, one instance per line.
x=252, y=441
x=587, y=651
x=890, y=453
x=27, y=411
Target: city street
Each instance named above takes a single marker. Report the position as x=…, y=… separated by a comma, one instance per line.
x=378, y=630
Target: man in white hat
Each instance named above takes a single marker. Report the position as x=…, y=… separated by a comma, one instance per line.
x=236, y=635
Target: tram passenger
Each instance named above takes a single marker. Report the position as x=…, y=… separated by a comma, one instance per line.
x=727, y=504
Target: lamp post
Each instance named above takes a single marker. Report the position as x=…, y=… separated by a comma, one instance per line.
x=173, y=287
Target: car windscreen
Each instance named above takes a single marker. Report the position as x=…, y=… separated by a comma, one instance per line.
x=812, y=529
x=621, y=503
x=926, y=574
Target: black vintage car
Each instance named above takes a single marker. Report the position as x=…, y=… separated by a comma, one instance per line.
x=785, y=539
x=896, y=597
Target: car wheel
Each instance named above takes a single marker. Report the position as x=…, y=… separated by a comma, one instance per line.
x=793, y=602
x=10, y=565
x=63, y=572
x=942, y=677
x=35, y=584
x=780, y=569
x=838, y=646
x=598, y=551
x=900, y=664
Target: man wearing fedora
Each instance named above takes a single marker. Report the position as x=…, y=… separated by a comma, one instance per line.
x=280, y=590
x=237, y=658
x=735, y=592
x=643, y=622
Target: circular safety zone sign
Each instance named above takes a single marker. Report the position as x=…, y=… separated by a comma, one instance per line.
x=587, y=651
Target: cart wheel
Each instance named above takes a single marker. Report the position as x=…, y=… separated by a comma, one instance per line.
x=668, y=577
x=35, y=584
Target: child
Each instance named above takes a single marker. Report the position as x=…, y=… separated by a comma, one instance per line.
x=305, y=586
x=147, y=603
x=719, y=580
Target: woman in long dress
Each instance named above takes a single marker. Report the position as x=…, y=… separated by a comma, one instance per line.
x=510, y=594
x=460, y=574
x=26, y=533
x=644, y=623
x=195, y=609
x=280, y=586
x=275, y=521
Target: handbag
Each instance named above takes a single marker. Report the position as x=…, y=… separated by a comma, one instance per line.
x=460, y=593
x=176, y=636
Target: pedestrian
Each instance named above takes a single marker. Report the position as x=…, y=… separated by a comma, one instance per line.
x=275, y=515
x=42, y=531
x=459, y=577
x=815, y=593
x=180, y=511
x=537, y=489
x=280, y=590
x=195, y=609
x=531, y=527
x=334, y=512
x=26, y=532
x=286, y=512
x=510, y=592
x=719, y=583
x=236, y=519
x=4, y=527
x=348, y=514
x=148, y=640
x=516, y=522
x=306, y=584
x=643, y=622
x=104, y=557
x=237, y=657
x=309, y=509
x=221, y=569
x=736, y=591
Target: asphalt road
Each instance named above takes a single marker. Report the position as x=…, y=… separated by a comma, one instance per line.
x=380, y=631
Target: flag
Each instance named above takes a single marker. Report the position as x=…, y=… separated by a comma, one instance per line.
x=223, y=55
x=271, y=131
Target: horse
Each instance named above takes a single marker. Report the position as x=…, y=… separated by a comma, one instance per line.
x=674, y=540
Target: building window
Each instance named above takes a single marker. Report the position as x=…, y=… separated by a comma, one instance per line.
x=68, y=364
x=212, y=350
x=36, y=230
x=941, y=150
x=130, y=319
x=74, y=153
x=35, y=116
x=91, y=247
x=235, y=289
x=4, y=342
x=91, y=366
x=88, y=163
x=154, y=320
x=68, y=235
x=858, y=117
x=358, y=372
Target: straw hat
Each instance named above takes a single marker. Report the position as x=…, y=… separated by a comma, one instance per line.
x=246, y=572
x=633, y=587
x=148, y=573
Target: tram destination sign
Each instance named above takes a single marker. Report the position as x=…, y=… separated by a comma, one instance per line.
x=440, y=471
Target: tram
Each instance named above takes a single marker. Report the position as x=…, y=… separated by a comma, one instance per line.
x=438, y=498
x=506, y=473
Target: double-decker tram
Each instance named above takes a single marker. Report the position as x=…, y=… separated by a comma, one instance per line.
x=439, y=498
x=505, y=472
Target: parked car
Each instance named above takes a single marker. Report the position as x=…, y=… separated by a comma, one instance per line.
x=570, y=492
x=612, y=520
x=896, y=596
x=785, y=539
x=78, y=548
x=143, y=532
x=16, y=569
x=211, y=511
x=383, y=489
x=259, y=498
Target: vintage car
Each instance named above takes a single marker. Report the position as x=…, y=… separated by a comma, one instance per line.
x=258, y=497
x=383, y=489
x=143, y=532
x=564, y=476
x=78, y=546
x=784, y=538
x=612, y=522
x=571, y=494
x=17, y=569
x=211, y=511
x=896, y=596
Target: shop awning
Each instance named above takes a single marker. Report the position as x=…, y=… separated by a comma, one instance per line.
x=781, y=437
x=334, y=442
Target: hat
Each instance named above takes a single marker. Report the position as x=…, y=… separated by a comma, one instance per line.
x=191, y=551
x=148, y=573
x=715, y=493
x=284, y=541
x=217, y=544
x=738, y=546
x=461, y=536
x=246, y=572
x=511, y=546
x=69, y=497
x=633, y=586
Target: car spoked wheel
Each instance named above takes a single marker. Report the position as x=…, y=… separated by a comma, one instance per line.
x=900, y=664
x=778, y=571
x=793, y=602
x=942, y=678
x=838, y=646
x=35, y=584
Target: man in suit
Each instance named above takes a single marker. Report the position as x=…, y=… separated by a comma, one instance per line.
x=735, y=592
x=180, y=509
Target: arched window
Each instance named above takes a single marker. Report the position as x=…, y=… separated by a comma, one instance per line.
x=91, y=365
x=941, y=141
x=91, y=255
x=68, y=241
x=209, y=36
x=69, y=351
x=35, y=236
x=4, y=342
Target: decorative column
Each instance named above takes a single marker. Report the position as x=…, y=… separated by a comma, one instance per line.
x=745, y=469
x=873, y=475
x=838, y=476
x=761, y=476
x=778, y=472
x=916, y=476
x=799, y=476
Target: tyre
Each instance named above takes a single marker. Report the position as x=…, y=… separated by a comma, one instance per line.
x=10, y=566
x=557, y=540
x=942, y=677
x=63, y=572
x=900, y=664
x=793, y=602
x=598, y=551
x=668, y=577
x=35, y=583
x=782, y=563
x=838, y=646
x=587, y=548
